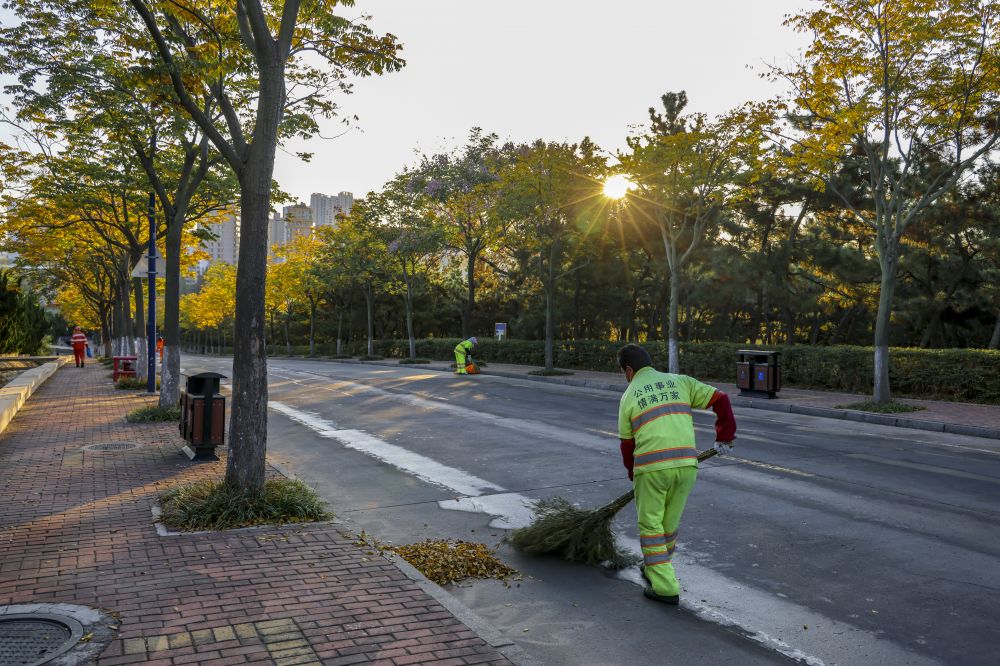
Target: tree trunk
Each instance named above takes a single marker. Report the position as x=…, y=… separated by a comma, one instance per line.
x=106, y=334
x=288, y=338
x=141, y=371
x=170, y=370
x=248, y=421
x=673, y=351
x=995, y=340
x=340, y=325
x=932, y=324
x=312, y=327
x=370, y=307
x=789, y=325
x=550, y=307
x=409, y=320
x=888, y=257
x=470, y=303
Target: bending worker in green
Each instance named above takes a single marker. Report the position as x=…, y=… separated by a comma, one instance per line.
x=658, y=450
x=462, y=350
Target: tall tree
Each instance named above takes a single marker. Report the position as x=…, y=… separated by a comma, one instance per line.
x=888, y=81
x=413, y=239
x=288, y=57
x=459, y=185
x=552, y=194
x=684, y=167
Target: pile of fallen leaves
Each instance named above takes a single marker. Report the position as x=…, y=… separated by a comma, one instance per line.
x=447, y=561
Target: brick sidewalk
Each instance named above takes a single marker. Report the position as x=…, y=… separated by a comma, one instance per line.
x=76, y=527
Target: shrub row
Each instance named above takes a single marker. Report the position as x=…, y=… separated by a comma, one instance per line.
x=965, y=375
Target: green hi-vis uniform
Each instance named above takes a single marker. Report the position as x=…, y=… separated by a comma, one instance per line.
x=655, y=411
x=461, y=351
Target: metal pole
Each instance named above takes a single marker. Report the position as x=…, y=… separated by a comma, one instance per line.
x=151, y=318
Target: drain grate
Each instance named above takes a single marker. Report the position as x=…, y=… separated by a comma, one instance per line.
x=32, y=639
x=111, y=446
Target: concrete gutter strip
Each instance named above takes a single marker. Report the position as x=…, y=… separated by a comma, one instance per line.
x=769, y=405
x=18, y=390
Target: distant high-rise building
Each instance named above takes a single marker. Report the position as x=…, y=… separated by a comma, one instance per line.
x=225, y=247
x=276, y=235
x=326, y=208
x=298, y=221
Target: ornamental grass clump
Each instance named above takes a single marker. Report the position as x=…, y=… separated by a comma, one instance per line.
x=132, y=383
x=447, y=561
x=214, y=505
x=153, y=414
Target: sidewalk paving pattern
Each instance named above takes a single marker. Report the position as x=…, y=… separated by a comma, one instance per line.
x=76, y=527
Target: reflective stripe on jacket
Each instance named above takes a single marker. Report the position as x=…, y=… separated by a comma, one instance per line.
x=655, y=411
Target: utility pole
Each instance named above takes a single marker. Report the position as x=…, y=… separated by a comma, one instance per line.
x=151, y=275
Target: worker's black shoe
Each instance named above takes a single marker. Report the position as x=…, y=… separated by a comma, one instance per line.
x=671, y=600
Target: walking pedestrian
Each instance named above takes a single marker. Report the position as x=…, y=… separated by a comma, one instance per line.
x=79, y=343
x=658, y=450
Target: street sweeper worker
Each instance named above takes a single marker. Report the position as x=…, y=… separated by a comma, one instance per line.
x=658, y=449
x=79, y=343
x=462, y=352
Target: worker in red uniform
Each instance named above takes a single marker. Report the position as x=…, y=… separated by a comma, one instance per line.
x=658, y=450
x=79, y=343
x=159, y=348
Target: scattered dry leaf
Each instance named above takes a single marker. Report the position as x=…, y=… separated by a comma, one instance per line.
x=446, y=561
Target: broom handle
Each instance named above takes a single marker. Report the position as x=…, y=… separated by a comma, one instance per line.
x=630, y=495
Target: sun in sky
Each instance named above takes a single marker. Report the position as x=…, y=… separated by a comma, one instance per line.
x=617, y=186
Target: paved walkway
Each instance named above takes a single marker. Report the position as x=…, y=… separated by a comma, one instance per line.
x=956, y=417
x=76, y=527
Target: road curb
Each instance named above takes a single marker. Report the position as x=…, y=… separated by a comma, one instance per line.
x=494, y=637
x=750, y=403
x=16, y=393
x=466, y=615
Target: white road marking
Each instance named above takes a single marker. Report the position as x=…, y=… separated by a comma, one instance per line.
x=420, y=466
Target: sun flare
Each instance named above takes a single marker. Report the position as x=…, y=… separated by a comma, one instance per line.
x=617, y=186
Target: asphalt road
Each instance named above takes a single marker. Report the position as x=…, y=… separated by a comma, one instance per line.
x=820, y=541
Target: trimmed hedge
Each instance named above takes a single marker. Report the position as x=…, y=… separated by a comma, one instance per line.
x=963, y=375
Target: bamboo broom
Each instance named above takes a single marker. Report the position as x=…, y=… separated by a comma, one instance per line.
x=578, y=535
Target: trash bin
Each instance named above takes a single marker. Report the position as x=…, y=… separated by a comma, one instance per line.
x=203, y=415
x=758, y=373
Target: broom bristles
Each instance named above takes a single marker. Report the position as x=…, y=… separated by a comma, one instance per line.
x=578, y=535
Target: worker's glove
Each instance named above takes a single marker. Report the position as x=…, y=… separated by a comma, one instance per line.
x=722, y=448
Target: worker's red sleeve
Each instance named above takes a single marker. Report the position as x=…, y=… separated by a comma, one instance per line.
x=628, y=455
x=725, y=422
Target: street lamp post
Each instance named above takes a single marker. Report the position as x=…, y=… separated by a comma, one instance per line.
x=151, y=317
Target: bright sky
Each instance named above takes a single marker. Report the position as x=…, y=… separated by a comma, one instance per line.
x=526, y=69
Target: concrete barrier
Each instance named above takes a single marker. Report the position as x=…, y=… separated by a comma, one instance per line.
x=17, y=391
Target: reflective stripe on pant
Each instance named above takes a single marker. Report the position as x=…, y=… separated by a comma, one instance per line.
x=660, y=497
x=460, y=362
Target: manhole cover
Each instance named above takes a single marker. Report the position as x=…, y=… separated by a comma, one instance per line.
x=111, y=446
x=32, y=639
